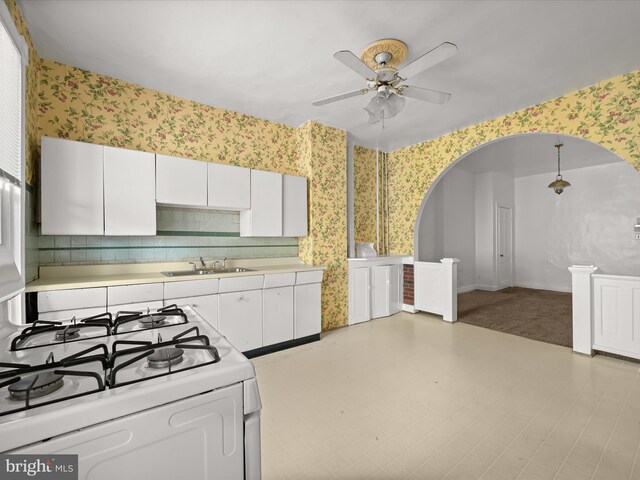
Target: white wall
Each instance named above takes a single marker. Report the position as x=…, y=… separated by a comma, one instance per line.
x=491, y=188
x=447, y=226
x=590, y=223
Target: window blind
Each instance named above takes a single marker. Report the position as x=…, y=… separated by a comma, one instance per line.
x=10, y=106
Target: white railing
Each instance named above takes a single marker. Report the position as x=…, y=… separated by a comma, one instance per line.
x=606, y=312
x=436, y=287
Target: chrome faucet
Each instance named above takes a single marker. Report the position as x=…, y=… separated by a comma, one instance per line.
x=202, y=262
x=223, y=260
x=193, y=266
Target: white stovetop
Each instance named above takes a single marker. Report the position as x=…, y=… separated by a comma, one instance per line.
x=25, y=427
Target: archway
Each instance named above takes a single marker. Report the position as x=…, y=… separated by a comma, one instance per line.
x=588, y=223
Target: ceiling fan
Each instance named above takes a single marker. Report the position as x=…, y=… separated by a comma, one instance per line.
x=378, y=66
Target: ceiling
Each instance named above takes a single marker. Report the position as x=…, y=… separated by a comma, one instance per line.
x=271, y=59
x=533, y=154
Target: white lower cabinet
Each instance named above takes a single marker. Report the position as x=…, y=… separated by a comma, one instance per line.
x=205, y=305
x=66, y=304
x=386, y=287
x=277, y=322
x=240, y=318
x=359, y=303
x=307, y=310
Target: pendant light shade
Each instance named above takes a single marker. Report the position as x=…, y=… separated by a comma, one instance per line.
x=383, y=106
x=559, y=184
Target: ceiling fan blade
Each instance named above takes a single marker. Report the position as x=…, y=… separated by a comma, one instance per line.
x=432, y=57
x=427, y=95
x=342, y=96
x=348, y=59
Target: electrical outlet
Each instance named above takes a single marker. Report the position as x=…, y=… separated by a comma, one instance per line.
x=637, y=236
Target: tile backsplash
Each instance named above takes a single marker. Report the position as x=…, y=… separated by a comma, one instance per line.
x=182, y=234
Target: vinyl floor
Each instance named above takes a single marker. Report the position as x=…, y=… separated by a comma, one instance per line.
x=411, y=396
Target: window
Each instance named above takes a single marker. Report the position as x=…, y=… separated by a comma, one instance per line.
x=13, y=57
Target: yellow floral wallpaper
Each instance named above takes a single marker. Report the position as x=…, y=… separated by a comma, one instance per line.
x=607, y=113
x=364, y=194
x=89, y=107
x=33, y=139
x=322, y=154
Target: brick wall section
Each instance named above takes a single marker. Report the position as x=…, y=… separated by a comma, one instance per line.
x=407, y=276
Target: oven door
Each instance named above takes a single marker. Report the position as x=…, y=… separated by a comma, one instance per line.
x=196, y=438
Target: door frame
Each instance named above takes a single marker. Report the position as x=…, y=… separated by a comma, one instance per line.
x=496, y=253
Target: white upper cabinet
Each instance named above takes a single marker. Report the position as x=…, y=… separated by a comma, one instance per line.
x=181, y=181
x=229, y=187
x=294, y=206
x=264, y=218
x=129, y=192
x=72, y=188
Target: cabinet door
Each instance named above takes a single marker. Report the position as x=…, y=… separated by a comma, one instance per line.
x=277, y=322
x=240, y=318
x=395, y=289
x=181, y=181
x=307, y=310
x=129, y=192
x=359, y=295
x=264, y=218
x=206, y=306
x=71, y=188
x=151, y=305
x=229, y=187
x=380, y=291
x=294, y=206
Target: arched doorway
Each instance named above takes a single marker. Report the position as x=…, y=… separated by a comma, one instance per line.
x=496, y=196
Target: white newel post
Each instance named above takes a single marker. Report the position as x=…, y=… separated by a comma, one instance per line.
x=581, y=306
x=450, y=289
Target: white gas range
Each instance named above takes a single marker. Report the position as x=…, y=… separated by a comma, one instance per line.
x=155, y=395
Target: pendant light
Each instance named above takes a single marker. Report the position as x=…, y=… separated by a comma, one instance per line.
x=559, y=184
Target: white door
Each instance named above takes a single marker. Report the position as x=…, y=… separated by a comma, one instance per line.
x=129, y=192
x=277, y=323
x=205, y=305
x=264, y=218
x=380, y=291
x=229, y=187
x=72, y=200
x=359, y=292
x=294, y=206
x=504, y=247
x=181, y=181
x=307, y=310
x=240, y=318
x=395, y=289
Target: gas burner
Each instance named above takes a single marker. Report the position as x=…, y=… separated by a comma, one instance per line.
x=165, y=357
x=35, y=386
x=152, y=320
x=68, y=334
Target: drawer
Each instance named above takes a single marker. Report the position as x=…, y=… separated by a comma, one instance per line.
x=65, y=315
x=191, y=288
x=279, y=280
x=72, y=299
x=238, y=284
x=136, y=307
x=314, y=276
x=123, y=294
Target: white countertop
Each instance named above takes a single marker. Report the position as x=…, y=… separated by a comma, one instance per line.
x=83, y=276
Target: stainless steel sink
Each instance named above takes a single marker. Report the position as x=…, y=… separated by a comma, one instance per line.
x=208, y=271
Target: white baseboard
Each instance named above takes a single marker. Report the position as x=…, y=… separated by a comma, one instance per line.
x=488, y=288
x=408, y=308
x=542, y=286
x=467, y=288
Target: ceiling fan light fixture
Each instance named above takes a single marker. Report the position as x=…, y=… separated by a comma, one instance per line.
x=383, y=106
x=559, y=184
